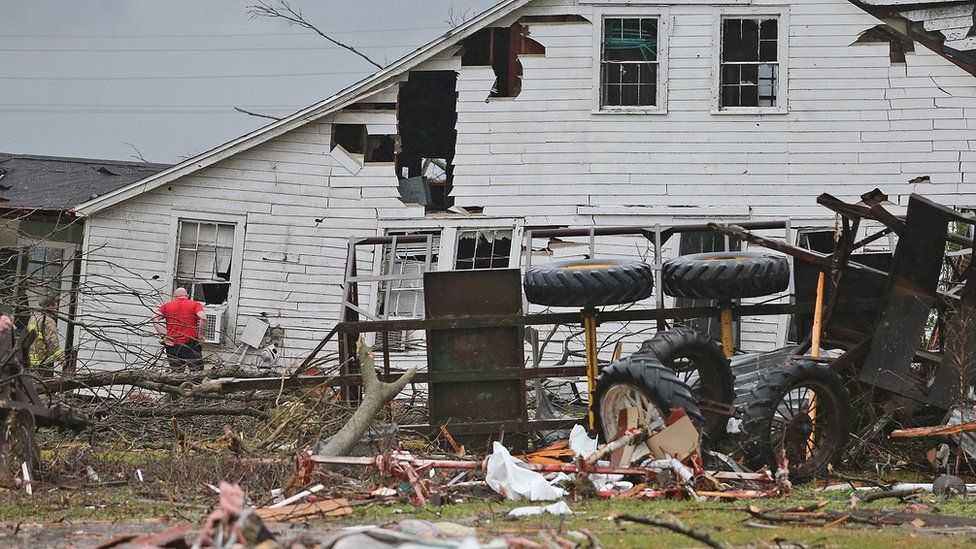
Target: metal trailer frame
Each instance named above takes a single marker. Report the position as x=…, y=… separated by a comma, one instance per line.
x=352, y=325
x=851, y=322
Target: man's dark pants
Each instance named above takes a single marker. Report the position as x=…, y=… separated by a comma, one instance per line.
x=187, y=355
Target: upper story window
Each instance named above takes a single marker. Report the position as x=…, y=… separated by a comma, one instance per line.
x=750, y=69
x=629, y=62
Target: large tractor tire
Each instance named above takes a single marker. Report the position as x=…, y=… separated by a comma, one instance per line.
x=589, y=283
x=641, y=381
x=725, y=275
x=778, y=418
x=700, y=364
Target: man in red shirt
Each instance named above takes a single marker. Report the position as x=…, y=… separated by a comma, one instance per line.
x=184, y=322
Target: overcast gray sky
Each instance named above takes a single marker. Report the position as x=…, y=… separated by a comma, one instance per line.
x=84, y=77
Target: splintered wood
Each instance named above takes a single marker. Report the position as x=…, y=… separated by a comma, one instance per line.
x=324, y=508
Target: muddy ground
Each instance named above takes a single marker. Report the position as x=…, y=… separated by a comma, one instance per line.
x=92, y=514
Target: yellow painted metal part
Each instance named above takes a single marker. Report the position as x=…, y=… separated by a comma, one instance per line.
x=815, y=338
x=587, y=266
x=592, y=363
x=728, y=334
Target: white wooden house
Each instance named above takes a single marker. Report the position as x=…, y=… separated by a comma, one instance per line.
x=543, y=113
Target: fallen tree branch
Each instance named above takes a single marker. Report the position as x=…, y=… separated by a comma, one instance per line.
x=900, y=494
x=188, y=412
x=635, y=436
x=674, y=526
x=376, y=395
x=132, y=377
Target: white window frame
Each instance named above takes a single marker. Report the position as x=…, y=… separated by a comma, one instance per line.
x=516, y=244
x=663, y=33
x=379, y=260
x=237, y=257
x=65, y=294
x=782, y=14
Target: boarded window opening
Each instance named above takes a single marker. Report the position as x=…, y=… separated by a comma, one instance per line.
x=427, y=120
x=499, y=48
x=380, y=148
x=484, y=249
x=629, y=62
x=204, y=257
x=351, y=137
x=354, y=139
x=750, y=62
x=818, y=240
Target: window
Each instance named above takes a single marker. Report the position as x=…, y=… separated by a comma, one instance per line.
x=355, y=140
x=406, y=290
x=629, y=62
x=485, y=249
x=749, y=62
x=203, y=260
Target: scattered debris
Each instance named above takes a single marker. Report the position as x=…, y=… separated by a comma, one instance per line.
x=508, y=476
x=676, y=526
x=558, y=508
x=322, y=508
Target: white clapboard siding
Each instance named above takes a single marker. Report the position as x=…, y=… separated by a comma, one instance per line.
x=852, y=121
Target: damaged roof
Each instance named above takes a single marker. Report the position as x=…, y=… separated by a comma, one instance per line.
x=386, y=76
x=947, y=27
x=371, y=84
x=55, y=183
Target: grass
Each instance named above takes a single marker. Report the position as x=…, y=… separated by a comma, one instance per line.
x=724, y=521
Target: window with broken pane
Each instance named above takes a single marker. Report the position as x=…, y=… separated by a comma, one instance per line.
x=483, y=249
x=629, y=62
x=402, y=297
x=204, y=257
x=749, y=62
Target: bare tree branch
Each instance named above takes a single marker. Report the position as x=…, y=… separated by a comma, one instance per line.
x=257, y=114
x=138, y=156
x=457, y=17
x=282, y=10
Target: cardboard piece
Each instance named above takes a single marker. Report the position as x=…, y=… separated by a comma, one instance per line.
x=678, y=440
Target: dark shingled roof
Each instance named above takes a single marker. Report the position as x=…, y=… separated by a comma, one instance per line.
x=54, y=183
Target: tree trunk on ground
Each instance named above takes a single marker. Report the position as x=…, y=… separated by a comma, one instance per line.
x=376, y=395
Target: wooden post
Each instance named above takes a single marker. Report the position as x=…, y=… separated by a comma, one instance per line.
x=815, y=352
x=592, y=362
x=728, y=333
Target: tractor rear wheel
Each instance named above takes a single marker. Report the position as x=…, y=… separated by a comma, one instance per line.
x=781, y=419
x=640, y=381
x=700, y=364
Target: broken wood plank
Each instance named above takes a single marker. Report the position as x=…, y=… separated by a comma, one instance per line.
x=324, y=508
x=935, y=430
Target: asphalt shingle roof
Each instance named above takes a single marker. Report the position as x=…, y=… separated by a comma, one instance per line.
x=54, y=183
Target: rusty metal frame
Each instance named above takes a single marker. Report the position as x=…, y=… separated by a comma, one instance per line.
x=838, y=265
